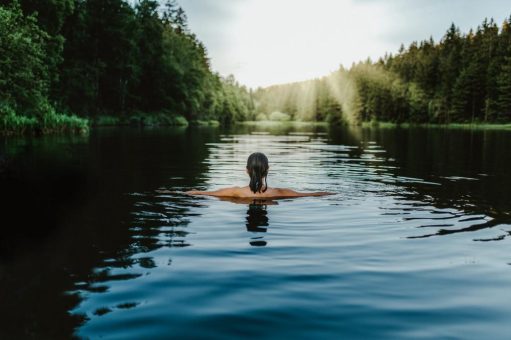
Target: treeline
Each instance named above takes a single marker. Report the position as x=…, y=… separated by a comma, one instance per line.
x=463, y=78
x=312, y=100
x=108, y=60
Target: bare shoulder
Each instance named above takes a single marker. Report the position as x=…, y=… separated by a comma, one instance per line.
x=227, y=192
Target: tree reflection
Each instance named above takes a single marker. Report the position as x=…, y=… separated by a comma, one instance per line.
x=74, y=229
x=468, y=170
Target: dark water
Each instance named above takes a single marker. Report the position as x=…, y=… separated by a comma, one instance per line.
x=415, y=242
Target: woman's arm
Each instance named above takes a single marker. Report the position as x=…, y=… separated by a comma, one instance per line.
x=226, y=192
x=291, y=193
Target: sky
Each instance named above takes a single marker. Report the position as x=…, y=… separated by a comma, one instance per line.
x=267, y=42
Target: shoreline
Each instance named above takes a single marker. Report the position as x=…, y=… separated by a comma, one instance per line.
x=76, y=126
x=454, y=126
x=277, y=122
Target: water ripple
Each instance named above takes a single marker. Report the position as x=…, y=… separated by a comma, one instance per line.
x=327, y=263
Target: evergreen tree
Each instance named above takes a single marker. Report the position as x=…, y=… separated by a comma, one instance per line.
x=504, y=78
x=462, y=78
x=24, y=74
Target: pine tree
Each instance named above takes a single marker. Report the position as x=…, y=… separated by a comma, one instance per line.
x=504, y=77
x=504, y=91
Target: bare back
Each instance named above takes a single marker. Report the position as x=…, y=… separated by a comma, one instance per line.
x=245, y=192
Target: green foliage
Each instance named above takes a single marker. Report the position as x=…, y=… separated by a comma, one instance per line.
x=463, y=78
x=179, y=121
x=205, y=123
x=121, y=59
x=156, y=119
x=504, y=91
x=231, y=102
x=109, y=60
x=23, y=72
x=54, y=122
x=106, y=121
x=261, y=117
x=12, y=123
x=48, y=121
x=142, y=119
x=279, y=116
x=25, y=76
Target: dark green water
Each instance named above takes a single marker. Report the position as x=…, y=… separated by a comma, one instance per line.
x=414, y=243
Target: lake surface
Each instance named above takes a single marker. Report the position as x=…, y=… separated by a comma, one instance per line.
x=415, y=242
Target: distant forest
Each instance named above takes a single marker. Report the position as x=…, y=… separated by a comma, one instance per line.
x=463, y=78
x=113, y=58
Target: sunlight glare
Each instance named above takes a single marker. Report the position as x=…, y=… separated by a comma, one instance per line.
x=284, y=41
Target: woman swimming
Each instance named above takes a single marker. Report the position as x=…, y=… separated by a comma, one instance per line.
x=257, y=169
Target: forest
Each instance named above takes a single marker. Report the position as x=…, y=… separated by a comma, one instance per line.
x=463, y=78
x=69, y=64
x=66, y=64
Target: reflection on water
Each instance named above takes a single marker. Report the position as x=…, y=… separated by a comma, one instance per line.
x=257, y=219
x=257, y=222
x=121, y=258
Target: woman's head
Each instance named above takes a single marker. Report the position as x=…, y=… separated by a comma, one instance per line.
x=257, y=169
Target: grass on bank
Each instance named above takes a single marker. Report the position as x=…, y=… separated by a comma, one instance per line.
x=53, y=122
x=212, y=122
x=383, y=125
x=48, y=122
x=141, y=119
x=276, y=123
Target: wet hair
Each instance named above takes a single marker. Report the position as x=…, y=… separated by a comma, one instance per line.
x=257, y=167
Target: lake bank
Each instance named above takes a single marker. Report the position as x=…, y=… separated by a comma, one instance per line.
x=276, y=122
x=372, y=124
x=53, y=123
x=474, y=126
x=12, y=124
x=50, y=123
